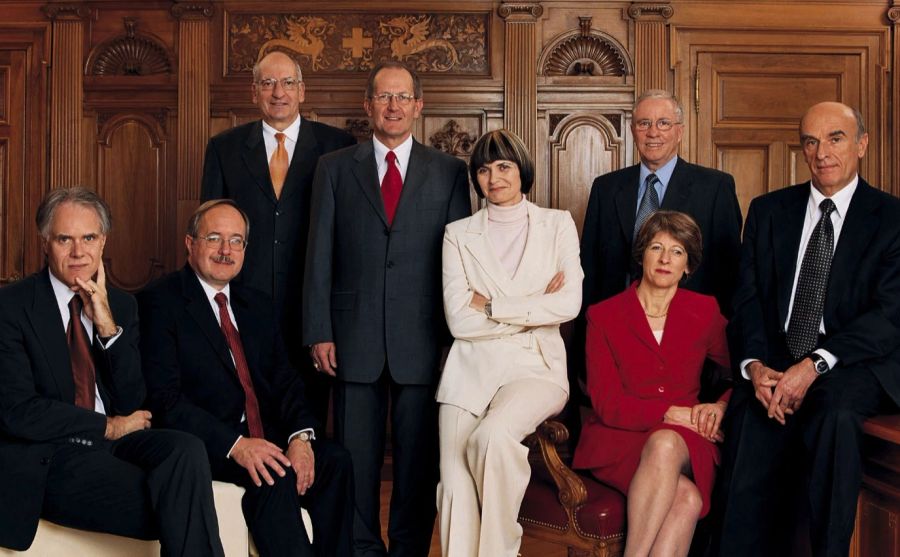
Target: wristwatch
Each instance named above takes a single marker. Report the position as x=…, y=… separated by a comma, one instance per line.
x=487, y=308
x=820, y=363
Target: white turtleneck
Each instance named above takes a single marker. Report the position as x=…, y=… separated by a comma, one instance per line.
x=507, y=232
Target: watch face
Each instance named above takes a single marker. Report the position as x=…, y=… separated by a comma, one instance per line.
x=821, y=365
x=304, y=436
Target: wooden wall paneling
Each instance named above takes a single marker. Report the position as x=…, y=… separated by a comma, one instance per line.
x=455, y=134
x=893, y=16
x=13, y=222
x=520, y=60
x=131, y=177
x=66, y=93
x=651, y=68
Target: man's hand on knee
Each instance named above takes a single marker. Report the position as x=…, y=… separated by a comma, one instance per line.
x=764, y=380
x=303, y=460
x=120, y=426
x=258, y=456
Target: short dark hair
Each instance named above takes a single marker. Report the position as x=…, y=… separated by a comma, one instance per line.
x=677, y=225
x=501, y=145
x=386, y=64
x=79, y=195
x=193, y=226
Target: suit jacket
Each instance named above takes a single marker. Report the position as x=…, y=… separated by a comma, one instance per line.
x=236, y=167
x=632, y=380
x=37, y=395
x=706, y=194
x=862, y=301
x=191, y=379
x=484, y=355
x=374, y=289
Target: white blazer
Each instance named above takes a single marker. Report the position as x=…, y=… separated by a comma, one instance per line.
x=486, y=352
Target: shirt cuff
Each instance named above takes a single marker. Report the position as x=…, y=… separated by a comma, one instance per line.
x=745, y=365
x=109, y=341
x=311, y=431
x=233, y=446
x=830, y=358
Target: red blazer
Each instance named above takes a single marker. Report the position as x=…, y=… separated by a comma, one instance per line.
x=632, y=380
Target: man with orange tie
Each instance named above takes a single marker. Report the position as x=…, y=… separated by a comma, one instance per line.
x=216, y=367
x=372, y=303
x=75, y=448
x=267, y=167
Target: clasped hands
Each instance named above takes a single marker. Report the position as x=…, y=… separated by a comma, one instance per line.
x=260, y=458
x=704, y=418
x=781, y=393
x=556, y=283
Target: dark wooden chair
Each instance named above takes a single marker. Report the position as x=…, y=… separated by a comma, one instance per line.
x=563, y=507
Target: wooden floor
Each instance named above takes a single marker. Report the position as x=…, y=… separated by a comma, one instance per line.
x=530, y=546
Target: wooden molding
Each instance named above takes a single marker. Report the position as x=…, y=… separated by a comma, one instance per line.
x=192, y=10
x=73, y=10
x=641, y=11
x=526, y=10
x=584, y=52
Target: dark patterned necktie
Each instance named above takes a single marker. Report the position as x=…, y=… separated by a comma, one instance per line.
x=251, y=406
x=80, y=356
x=391, y=185
x=809, y=299
x=649, y=203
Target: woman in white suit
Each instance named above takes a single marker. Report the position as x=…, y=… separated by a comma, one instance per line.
x=511, y=275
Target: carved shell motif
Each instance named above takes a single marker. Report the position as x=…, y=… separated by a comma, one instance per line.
x=585, y=55
x=131, y=56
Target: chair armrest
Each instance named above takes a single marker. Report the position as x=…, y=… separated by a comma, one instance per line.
x=572, y=492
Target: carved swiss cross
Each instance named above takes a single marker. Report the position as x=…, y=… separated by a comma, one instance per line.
x=357, y=43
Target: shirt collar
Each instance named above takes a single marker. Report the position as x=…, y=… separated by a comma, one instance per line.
x=211, y=292
x=62, y=292
x=841, y=199
x=663, y=173
x=402, y=151
x=291, y=131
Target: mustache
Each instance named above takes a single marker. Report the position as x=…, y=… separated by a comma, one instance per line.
x=222, y=259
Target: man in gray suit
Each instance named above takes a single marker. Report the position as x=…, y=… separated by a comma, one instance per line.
x=372, y=309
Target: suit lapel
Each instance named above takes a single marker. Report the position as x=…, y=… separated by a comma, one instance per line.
x=626, y=201
x=416, y=173
x=636, y=321
x=534, y=242
x=254, y=155
x=366, y=173
x=860, y=223
x=787, y=227
x=678, y=192
x=50, y=332
x=480, y=248
x=303, y=162
x=198, y=307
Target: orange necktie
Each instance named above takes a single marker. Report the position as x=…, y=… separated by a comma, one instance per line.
x=278, y=166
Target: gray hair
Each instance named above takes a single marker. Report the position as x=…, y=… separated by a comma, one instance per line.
x=860, y=124
x=78, y=195
x=662, y=94
x=370, y=82
x=256, y=69
x=193, y=226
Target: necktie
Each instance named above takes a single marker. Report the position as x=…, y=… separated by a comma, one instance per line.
x=278, y=166
x=649, y=203
x=391, y=185
x=80, y=356
x=251, y=406
x=809, y=298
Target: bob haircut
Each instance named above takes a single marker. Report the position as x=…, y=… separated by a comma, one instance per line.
x=677, y=225
x=501, y=145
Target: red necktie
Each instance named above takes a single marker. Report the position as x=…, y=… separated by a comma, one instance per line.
x=254, y=421
x=80, y=356
x=391, y=185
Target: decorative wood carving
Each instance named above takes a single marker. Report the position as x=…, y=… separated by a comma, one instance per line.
x=453, y=140
x=192, y=10
x=585, y=53
x=638, y=11
x=350, y=42
x=893, y=14
x=651, y=49
x=193, y=100
x=519, y=80
x=66, y=95
x=530, y=10
x=360, y=128
x=129, y=54
x=72, y=10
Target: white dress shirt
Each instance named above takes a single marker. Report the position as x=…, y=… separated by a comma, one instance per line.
x=842, y=203
x=402, y=151
x=290, y=139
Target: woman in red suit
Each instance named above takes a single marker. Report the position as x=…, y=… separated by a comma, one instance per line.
x=649, y=435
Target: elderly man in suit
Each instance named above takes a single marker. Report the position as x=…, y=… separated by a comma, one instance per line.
x=372, y=304
x=816, y=330
x=75, y=448
x=267, y=167
x=216, y=367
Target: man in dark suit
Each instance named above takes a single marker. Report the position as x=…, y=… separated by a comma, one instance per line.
x=816, y=330
x=271, y=181
x=74, y=446
x=216, y=367
x=372, y=304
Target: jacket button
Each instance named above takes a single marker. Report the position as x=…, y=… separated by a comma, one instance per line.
x=45, y=461
x=390, y=264
x=661, y=389
x=277, y=213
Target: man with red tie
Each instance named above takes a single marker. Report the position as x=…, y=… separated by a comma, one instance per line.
x=372, y=305
x=75, y=448
x=216, y=366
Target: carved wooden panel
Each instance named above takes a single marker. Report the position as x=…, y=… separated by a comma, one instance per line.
x=582, y=147
x=131, y=175
x=13, y=221
x=747, y=161
x=131, y=53
x=355, y=42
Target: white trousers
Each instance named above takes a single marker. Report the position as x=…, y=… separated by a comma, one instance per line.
x=484, y=468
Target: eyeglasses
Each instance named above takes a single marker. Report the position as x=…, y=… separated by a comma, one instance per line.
x=663, y=124
x=402, y=99
x=216, y=240
x=287, y=83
